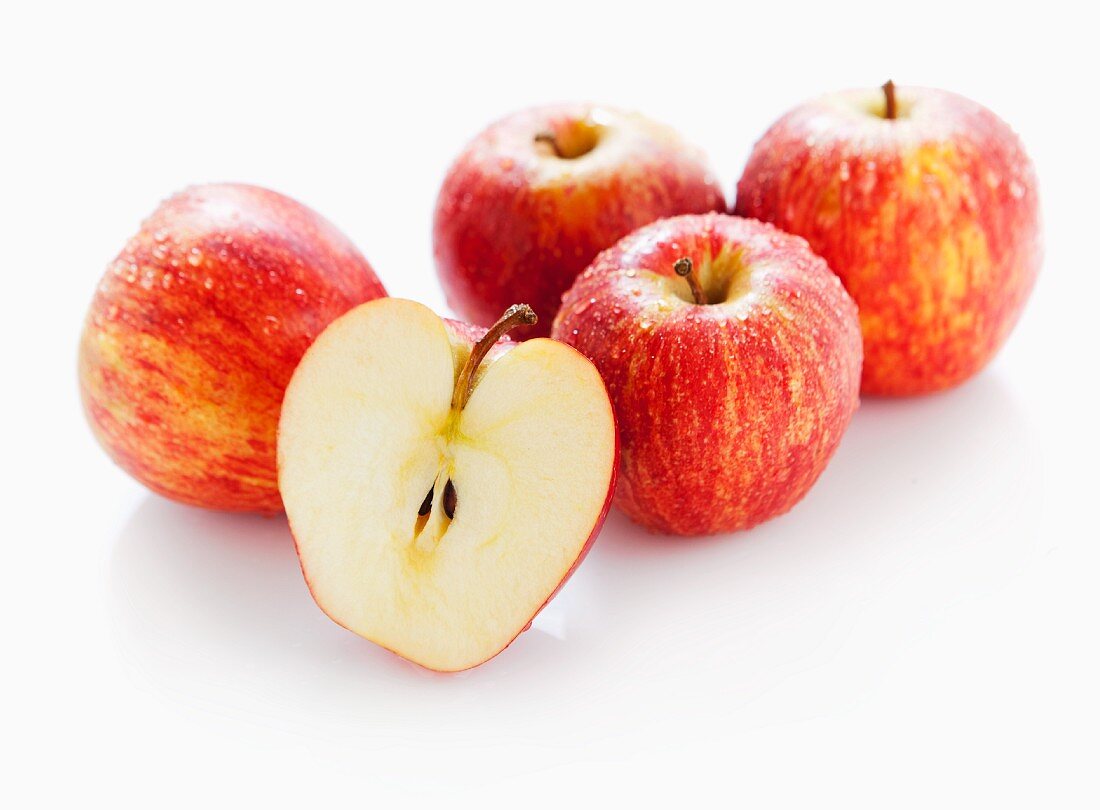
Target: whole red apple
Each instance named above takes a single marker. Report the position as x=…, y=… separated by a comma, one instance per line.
x=194, y=333
x=926, y=206
x=534, y=198
x=732, y=355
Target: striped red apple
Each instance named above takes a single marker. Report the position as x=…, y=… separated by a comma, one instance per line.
x=532, y=200
x=732, y=355
x=195, y=330
x=926, y=205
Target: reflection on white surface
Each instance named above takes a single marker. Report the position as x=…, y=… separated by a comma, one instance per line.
x=923, y=507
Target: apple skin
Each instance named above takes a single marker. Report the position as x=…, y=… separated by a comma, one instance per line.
x=515, y=222
x=931, y=220
x=463, y=336
x=727, y=412
x=195, y=330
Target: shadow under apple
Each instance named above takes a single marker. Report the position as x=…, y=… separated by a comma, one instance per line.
x=211, y=609
x=919, y=509
x=923, y=506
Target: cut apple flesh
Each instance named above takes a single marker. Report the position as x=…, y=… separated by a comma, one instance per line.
x=435, y=531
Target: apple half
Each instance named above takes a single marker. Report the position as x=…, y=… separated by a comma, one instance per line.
x=441, y=483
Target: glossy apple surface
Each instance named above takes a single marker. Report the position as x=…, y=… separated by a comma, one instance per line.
x=534, y=198
x=728, y=411
x=432, y=523
x=195, y=330
x=931, y=220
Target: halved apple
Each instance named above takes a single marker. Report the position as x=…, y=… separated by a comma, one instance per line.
x=442, y=484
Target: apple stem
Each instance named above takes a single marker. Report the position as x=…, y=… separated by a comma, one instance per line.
x=686, y=268
x=548, y=137
x=515, y=315
x=891, y=101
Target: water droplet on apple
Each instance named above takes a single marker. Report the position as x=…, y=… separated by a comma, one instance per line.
x=194, y=258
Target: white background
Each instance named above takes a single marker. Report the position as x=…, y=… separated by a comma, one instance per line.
x=921, y=631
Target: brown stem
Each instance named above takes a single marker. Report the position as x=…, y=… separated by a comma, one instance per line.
x=686, y=268
x=550, y=138
x=516, y=315
x=891, y=102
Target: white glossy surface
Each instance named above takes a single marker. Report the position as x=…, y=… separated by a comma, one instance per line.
x=920, y=631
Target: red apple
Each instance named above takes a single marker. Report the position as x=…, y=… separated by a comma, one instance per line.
x=195, y=330
x=440, y=485
x=534, y=198
x=733, y=384
x=930, y=216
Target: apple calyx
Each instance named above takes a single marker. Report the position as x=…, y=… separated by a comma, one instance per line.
x=685, y=268
x=891, y=100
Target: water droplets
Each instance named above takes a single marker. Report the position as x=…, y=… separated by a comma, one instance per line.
x=194, y=257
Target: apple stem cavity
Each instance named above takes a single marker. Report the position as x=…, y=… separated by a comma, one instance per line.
x=685, y=267
x=549, y=138
x=515, y=315
x=891, y=100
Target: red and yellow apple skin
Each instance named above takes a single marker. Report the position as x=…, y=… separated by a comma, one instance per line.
x=729, y=411
x=930, y=219
x=518, y=217
x=195, y=330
